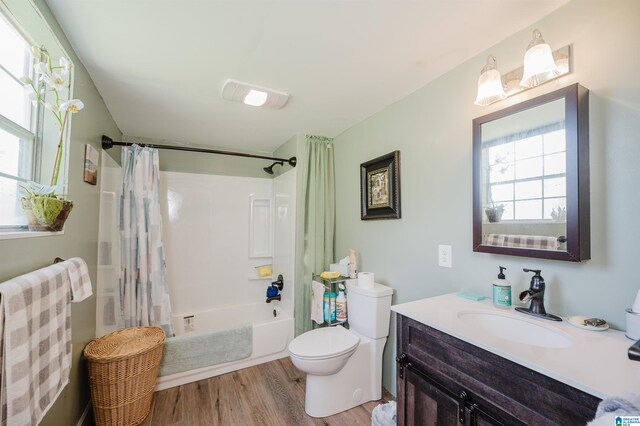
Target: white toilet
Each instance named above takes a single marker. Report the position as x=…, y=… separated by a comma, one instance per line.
x=344, y=367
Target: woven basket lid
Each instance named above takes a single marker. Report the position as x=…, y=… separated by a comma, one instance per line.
x=124, y=343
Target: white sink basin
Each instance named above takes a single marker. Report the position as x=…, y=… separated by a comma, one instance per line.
x=518, y=329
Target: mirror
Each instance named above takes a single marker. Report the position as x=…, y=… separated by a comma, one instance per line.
x=531, y=178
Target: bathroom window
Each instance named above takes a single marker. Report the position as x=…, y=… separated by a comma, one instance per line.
x=18, y=125
x=526, y=173
x=28, y=132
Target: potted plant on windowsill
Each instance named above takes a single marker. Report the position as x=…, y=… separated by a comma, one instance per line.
x=494, y=212
x=45, y=209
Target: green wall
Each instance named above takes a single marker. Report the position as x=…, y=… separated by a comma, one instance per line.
x=432, y=129
x=20, y=256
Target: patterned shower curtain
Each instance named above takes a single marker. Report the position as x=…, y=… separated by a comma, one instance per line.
x=143, y=289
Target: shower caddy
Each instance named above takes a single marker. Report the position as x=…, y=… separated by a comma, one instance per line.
x=331, y=285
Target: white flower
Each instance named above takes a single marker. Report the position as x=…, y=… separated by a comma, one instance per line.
x=55, y=80
x=66, y=65
x=73, y=105
x=41, y=68
x=36, y=51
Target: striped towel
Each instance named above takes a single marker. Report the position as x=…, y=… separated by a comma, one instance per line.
x=523, y=241
x=35, y=343
x=78, y=279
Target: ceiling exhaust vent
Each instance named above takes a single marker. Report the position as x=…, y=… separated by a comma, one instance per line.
x=253, y=95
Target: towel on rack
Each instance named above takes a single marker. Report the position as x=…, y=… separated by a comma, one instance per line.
x=523, y=241
x=35, y=343
x=78, y=279
x=317, y=293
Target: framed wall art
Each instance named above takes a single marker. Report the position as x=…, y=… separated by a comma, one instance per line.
x=91, y=157
x=380, y=187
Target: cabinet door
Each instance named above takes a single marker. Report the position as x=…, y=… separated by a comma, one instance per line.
x=425, y=404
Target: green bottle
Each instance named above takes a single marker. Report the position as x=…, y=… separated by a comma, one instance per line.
x=502, y=291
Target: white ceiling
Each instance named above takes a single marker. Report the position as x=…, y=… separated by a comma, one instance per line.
x=160, y=64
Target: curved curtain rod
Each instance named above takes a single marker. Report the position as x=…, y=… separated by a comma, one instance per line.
x=108, y=143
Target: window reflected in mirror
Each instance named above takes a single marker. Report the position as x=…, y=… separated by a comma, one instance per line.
x=523, y=162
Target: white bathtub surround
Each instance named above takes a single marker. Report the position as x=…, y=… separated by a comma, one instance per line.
x=206, y=221
x=229, y=220
x=143, y=293
x=284, y=190
x=108, y=244
x=595, y=362
x=270, y=336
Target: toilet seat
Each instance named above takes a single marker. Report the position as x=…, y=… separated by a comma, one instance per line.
x=324, y=343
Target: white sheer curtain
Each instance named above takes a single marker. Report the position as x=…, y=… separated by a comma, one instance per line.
x=143, y=297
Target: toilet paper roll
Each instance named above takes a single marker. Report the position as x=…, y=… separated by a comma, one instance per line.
x=636, y=305
x=365, y=280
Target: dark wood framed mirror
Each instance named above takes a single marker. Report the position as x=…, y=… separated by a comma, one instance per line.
x=531, y=178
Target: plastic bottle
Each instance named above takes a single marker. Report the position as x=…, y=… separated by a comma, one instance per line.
x=353, y=269
x=325, y=305
x=341, y=305
x=502, y=291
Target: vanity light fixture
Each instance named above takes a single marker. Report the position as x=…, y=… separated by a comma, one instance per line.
x=490, y=87
x=539, y=65
x=251, y=94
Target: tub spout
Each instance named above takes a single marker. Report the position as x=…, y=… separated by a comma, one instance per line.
x=272, y=298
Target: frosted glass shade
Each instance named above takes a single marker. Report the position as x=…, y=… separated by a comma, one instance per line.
x=539, y=65
x=490, y=87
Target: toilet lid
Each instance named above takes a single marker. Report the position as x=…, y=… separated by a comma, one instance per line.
x=326, y=342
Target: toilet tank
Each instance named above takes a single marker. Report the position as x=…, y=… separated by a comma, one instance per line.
x=369, y=310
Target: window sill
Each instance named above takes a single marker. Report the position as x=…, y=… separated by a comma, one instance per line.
x=13, y=235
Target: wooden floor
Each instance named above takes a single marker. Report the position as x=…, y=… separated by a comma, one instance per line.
x=267, y=394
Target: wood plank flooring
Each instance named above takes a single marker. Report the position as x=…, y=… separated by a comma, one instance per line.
x=267, y=394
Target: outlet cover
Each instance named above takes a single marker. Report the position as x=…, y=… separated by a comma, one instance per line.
x=444, y=256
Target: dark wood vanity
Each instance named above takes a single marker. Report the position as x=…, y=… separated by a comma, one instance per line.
x=442, y=380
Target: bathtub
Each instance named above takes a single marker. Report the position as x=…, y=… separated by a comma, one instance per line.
x=272, y=332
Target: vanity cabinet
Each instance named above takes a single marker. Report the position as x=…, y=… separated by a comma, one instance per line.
x=442, y=380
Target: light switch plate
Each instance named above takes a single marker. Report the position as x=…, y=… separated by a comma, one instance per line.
x=444, y=256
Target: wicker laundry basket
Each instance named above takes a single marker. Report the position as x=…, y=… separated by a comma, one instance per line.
x=123, y=367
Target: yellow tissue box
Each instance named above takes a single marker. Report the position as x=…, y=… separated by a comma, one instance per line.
x=264, y=271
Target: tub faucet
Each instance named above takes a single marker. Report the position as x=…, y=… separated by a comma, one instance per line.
x=279, y=282
x=274, y=288
x=535, y=295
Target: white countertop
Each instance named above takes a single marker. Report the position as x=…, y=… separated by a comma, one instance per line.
x=595, y=363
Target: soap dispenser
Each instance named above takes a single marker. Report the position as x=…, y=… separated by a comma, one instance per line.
x=502, y=291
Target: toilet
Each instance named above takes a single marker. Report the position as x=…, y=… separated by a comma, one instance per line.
x=344, y=366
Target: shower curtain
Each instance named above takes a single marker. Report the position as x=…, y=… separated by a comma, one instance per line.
x=143, y=297
x=319, y=224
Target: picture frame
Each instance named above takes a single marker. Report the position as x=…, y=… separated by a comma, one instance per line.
x=91, y=158
x=380, y=187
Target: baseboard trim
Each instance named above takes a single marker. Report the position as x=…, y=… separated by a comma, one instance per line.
x=84, y=415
